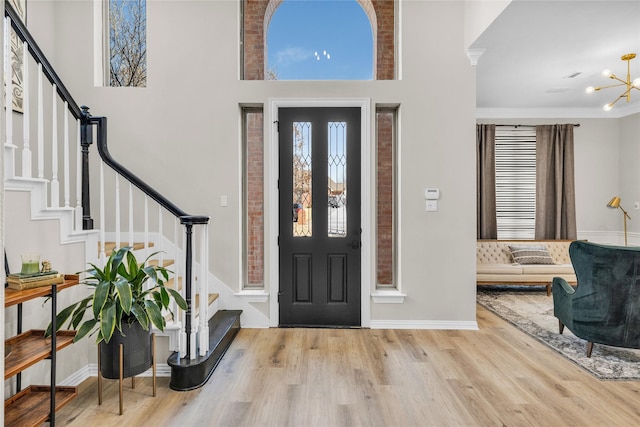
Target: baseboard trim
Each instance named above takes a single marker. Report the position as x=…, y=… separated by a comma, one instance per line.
x=91, y=370
x=425, y=324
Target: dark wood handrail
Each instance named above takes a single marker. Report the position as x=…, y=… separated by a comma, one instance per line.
x=101, y=143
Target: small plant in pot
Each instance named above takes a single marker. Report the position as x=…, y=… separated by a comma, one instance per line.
x=128, y=297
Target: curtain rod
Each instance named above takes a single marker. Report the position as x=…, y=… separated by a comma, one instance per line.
x=532, y=126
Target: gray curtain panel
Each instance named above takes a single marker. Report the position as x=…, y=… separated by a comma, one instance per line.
x=555, y=189
x=486, y=182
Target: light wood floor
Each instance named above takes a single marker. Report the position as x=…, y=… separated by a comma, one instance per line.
x=497, y=376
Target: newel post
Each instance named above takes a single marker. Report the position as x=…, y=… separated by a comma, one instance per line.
x=188, y=287
x=86, y=139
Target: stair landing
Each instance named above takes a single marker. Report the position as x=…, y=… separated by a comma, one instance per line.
x=187, y=374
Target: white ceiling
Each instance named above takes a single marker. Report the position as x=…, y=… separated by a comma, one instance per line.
x=533, y=47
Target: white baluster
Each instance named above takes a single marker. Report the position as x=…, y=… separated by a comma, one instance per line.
x=177, y=273
x=180, y=272
x=10, y=149
x=26, y=149
x=55, y=184
x=78, y=212
x=8, y=81
x=203, y=332
x=103, y=255
x=65, y=154
x=40, y=124
x=117, y=212
x=160, y=238
x=146, y=226
x=194, y=326
x=131, y=214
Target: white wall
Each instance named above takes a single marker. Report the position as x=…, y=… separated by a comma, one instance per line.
x=629, y=173
x=478, y=17
x=181, y=133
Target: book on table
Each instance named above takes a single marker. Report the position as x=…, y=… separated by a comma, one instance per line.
x=21, y=281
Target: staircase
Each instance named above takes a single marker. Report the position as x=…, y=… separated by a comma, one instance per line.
x=126, y=212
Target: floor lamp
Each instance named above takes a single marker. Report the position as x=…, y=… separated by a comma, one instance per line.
x=615, y=203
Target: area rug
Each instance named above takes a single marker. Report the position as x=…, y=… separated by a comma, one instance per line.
x=531, y=310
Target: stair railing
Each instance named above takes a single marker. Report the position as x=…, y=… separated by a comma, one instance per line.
x=191, y=264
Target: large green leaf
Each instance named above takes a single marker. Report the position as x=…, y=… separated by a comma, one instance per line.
x=60, y=319
x=164, y=297
x=94, y=272
x=133, y=265
x=157, y=298
x=154, y=314
x=108, y=320
x=115, y=260
x=150, y=271
x=141, y=315
x=78, y=314
x=124, y=294
x=100, y=295
x=85, y=329
x=176, y=296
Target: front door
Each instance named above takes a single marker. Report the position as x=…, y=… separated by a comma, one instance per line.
x=319, y=225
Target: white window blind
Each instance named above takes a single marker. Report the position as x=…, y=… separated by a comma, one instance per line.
x=516, y=182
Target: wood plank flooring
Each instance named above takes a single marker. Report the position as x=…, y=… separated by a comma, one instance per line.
x=497, y=376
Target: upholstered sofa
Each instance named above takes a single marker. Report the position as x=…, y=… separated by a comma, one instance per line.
x=496, y=265
x=605, y=306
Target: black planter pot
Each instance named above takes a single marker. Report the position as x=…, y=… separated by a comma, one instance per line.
x=137, y=356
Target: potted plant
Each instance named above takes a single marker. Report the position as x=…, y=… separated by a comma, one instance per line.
x=128, y=297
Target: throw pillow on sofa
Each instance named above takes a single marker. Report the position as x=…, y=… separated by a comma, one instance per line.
x=531, y=254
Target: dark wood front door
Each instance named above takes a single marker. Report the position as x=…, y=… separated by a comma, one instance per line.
x=319, y=225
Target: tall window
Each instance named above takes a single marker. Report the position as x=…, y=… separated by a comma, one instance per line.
x=127, y=43
x=253, y=185
x=319, y=40
x=385, y=194
x=516, y=182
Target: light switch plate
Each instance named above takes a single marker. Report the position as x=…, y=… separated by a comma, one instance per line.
x=432, y=206
x=223, y=201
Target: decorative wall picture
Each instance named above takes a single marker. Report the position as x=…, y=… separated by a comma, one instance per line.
x=17, y=48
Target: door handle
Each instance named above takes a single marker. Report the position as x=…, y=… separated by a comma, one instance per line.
x=356, y=244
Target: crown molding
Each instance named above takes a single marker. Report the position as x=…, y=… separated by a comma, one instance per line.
x=474, y=55
x=560, y=113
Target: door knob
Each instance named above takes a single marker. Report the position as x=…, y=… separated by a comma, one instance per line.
x=356, y=244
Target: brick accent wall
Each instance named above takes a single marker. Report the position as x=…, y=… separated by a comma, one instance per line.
x=255, y=198
x=258, y=13
x=384, y=36
x=385, y=185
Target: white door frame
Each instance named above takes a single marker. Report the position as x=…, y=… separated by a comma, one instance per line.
x=272, y=252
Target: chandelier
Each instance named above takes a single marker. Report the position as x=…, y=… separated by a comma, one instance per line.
x=628, y=84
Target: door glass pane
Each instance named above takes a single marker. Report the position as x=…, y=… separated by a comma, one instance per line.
x=337, y=174
x=302, y=172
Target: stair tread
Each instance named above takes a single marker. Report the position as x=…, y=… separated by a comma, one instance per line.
x=171, y=283
x=165, y=262
x=219, y=324
x=189, y=374
x=110, y=246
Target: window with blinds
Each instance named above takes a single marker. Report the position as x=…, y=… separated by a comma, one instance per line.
x=516, y=182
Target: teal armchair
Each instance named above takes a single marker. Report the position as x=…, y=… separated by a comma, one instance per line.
x=604, y=308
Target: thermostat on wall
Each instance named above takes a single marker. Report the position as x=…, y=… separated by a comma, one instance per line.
x=432, y=194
